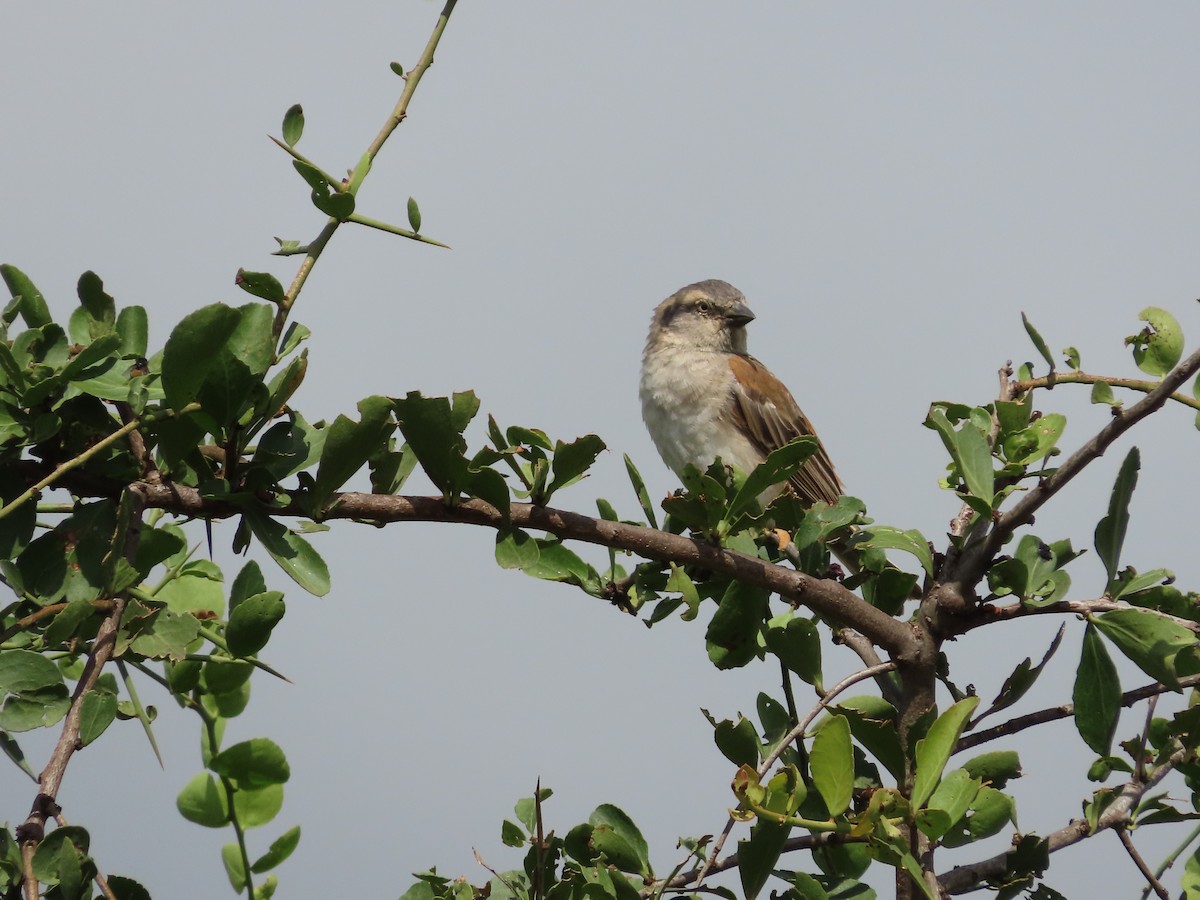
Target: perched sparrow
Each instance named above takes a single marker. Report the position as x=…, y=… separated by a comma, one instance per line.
x=703, y=396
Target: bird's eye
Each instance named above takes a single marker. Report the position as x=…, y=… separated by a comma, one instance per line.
x=703, y=306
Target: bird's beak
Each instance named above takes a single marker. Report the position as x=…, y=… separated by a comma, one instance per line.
x=740, y=315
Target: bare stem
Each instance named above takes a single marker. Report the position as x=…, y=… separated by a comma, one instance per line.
x=1133, y=384
x=1127, y=843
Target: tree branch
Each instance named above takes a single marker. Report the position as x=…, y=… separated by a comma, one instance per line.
x=792, y=735
x=45, y=805
x=973, y=562
x=1127, y=843
x=686, y=880
x=963, y=878
x=1053, y=713
x=398, y=115
x=988, y=614
x=1134, y=384
x=824, y=596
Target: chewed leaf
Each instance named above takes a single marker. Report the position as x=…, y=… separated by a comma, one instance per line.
x=1158, y=346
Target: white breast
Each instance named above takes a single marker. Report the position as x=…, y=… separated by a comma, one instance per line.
x=685, y=400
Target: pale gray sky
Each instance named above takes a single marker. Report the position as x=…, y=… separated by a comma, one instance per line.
x=890, y=185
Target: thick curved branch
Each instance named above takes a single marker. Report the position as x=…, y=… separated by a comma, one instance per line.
x=825, y=596
x=974, y=561
x=964, y=878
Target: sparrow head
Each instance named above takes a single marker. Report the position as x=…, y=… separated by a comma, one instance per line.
x=708, y=315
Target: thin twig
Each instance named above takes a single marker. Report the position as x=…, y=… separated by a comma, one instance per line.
x=1066, y=710
x=1171, y=857
x=1133, y=384
x=77, y=461
x=686, y=880
x=794, y=734
x=969, y=567
x=398, y=115
x=1127, y=843
x=989, y=614
x=865, y=650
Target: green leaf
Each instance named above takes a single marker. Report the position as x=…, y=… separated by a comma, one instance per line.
x=33, y=308
x=1017, y=684
x=1097, y=694
x=832, y=764
x=515, y=549
x=192, y=350
x=933, y=750
x=163, y=634
x=359, y=173
x=281, y=848
x=429, y=425
x=252, y=764
x=235, y=867
x=511, y=834
x=732, y=635
x=96, y=712
x=1158, y=346
x=414, y=215
x=23, y=671
x=1152, y=642
x=293, y=124
x=884, y=537
x=248, y=582
x=953, y=797
x=572, y=460
x=738, y=741
x=1102, y=392
x=995, y=768
x=1110, y=532
x=336, y=204
x=99, y=305
x=294, y=555
x=1038, y=341
x=134, y=328
x=805, y=887
x=614, y=834
x=217, y=355
x=250, y=624
x=49, y=858
x=639, y=489
x=968, y=447
x=758, y=855
x=557, y=562
x=797, y=644
x=260, y=284
x=349, y=444
x=872, y=722
x=124, y=888
x=1036, y=441
x=34, y=709
x=202, y=801
x=780, y=465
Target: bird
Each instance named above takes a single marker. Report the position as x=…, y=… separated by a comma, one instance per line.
x=705, y=397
